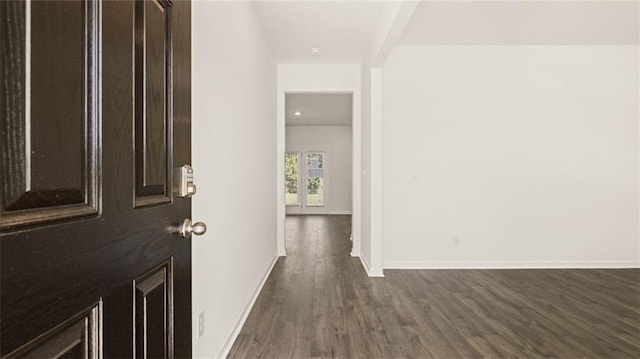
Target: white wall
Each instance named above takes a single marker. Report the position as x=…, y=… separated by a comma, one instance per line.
x=336, y=143
x=314, y=79
x=234, y=146
x=365, y=234
x=371, y=253
x=376, y=174
x=394, y=17
x=511, y=156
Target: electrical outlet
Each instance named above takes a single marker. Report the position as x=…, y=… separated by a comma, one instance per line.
x=201, y=324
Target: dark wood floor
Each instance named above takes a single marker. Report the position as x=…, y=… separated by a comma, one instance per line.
x=319, y=302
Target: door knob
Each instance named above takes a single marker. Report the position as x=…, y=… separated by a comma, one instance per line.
x=189, y=228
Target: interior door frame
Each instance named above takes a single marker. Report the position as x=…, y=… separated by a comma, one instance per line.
x=323, y=79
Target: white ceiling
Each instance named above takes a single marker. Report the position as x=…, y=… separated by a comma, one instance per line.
x=523, y=23
x=342, y=30
x=318, y=109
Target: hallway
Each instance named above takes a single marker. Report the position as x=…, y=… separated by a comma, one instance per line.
x=318, y=302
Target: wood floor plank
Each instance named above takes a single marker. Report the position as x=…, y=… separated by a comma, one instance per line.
x=319, y=303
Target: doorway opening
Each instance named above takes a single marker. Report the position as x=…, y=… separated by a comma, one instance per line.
x=318, y=154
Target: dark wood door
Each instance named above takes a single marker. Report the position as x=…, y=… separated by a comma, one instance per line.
x=95, y=117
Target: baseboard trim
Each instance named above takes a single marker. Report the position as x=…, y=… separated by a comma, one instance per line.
x=365, y=264
x=367, y=268
x=513, y=265
x=324, y=213
x=340, y=213
x=236, y=331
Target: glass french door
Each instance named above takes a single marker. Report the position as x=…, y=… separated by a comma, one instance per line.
x=291, y=178
x=304, y=180
x=314, y=184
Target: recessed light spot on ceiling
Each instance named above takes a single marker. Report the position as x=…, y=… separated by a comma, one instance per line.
x=315, y=51
x=319, y=109
x=297, y=113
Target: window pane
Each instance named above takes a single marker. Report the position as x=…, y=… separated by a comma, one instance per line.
x=315, y=179
x=291, y=179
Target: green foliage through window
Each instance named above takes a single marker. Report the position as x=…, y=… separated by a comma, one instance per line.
x=291, y=178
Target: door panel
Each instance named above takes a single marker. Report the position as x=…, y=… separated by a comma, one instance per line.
x=78, y=337
x=49, y=162
x=152, y=66
x=154, y=313
x=69, y=137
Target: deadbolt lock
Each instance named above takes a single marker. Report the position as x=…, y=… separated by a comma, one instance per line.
x=184, y=181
